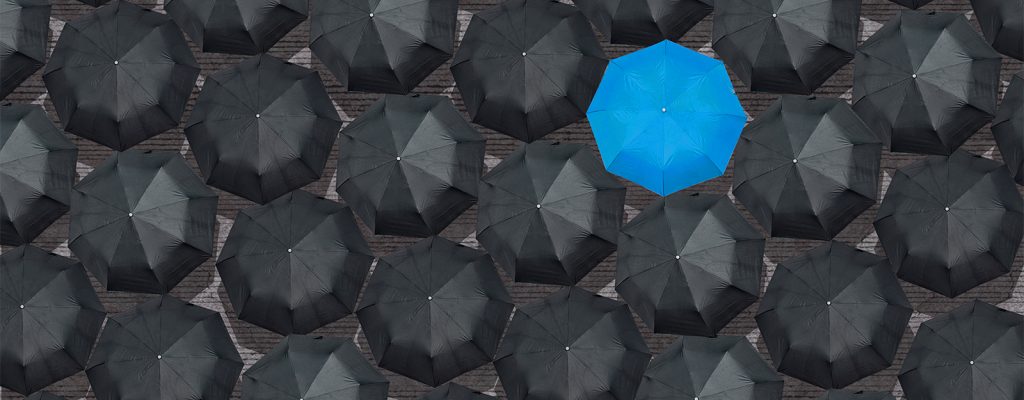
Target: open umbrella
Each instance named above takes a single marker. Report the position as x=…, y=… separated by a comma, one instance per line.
x=142, y=221
x=833, y=315
x=262, y=128
x=294, y=264
x=94, y=3
x=722, y=368
x=644, y=22
x=549, y=213
x=689, y=263
x=858, y=395
x=807, y=167
x=313, y=367
x=1008, y=127
x=528, y=85
x=666, y=117
x=454, y=391
x=37, y=169
x=1002, y=23
x=410, y=165
x=950, y=223
x=43, y=396
x=573, y=344
x=51, y=317
x=23, y=35
x=236, y=26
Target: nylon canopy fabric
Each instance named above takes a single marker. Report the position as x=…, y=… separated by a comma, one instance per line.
x=313, y=367
x=454, y=391
x=94, y=3
x=644, y=22
x=1008, y=127
x=23, y=37
x=1002, y=23
x=43, y=396
x=911, y=4
x=236, y=26
x=858, y=395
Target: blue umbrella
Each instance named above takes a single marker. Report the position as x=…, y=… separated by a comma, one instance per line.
x=666, y=117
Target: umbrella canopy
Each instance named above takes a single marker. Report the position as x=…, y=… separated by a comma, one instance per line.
x=807, y=167
x=94, y=3
x=785, y=46
x=23, y=37
x=975, y=352
x=549, y=213
x=294, y=264
x=262, y=128
x=528, y=85
x=236, y=26
x=43, y=396
x=164, y=349
x=689, y=263
x=51, y=317
x=858, y=395
x=644, y=23
x=573, y=344
x=833, y=315
x=1002, y=23
x=722, y=368
x=410, y=165
x=950, y=223
x=142, y=221
x=912, y=4
x=313, y=367
x=37, y=169
x=1008, y=127
x=925, y=82
x=454, y=391
x=666, y=117
x=386, y=46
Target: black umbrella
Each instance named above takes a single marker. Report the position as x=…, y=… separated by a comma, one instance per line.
x=454, y=391
x=549, y=213
x=237, y=26
x=1008, y=127
x=23, y=35
x=722, y=368
x=120, y=75
x=912, y=4
x=1002, y=23
x=313, y=367
x=434, y=311
x=833, y=315
x=689, y=263
x=294, y=264
x=94, y=3
x=37, y=169
x=807, y=167
x=858, y=395
x=164, y=349
x=526, y=68
x=43, y=396
x=950, y=223
x=262, y=128
x=573, y=344
x=51, y=317
x=975, y=352
x=142, y=221
x=644, y=23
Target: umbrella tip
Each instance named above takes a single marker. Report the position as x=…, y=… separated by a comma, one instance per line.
x=774, y=15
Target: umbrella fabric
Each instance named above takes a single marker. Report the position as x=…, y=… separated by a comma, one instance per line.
x=573, y=344
x=1002, y=23
x=975, y=352
x=51, y=317
x=454, y=391
x=722, y=368
x=689, y=263
x=526, y=68
x=434, y=311
x=236, y=26
x=386, y=46
x=94, y=3
x=43, y=396
x=1008, y=127
x=858, y=395
x=410, y=165
x=142, y=221
x=37, y=169
x=262, y=128
x=549, y=213
x=807, y=167
x=313, y=367
x=164, y=349
x=950, y=223
x=23, y=37
x=644, y=23
x=294, y=264
x=666, y=117
x=911, y=4
x=833, y=315
x=785, y=46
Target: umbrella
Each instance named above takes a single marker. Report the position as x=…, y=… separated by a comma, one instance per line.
x=858, y=395
x=644, y=22
x=722, y=368
x=262, y=128
x=410, y=165
x=1002, y=23
x=785, y=46
x=912, y=4
x=37, y=169
x=434, y=311
x=975, y=352
x=549, y=213
x=236, y=26
x=23, y=36
x=950, y=223
x=528, y=85
x=833, y=315
x=689, y=263
x=94, y=3
x=807, y=167
x=925, y=82
x=573, y=344
x=142, y=221
x=313, y=367
x=666, y=117
x=386, y=46
x=1008, y=127
x=43, y=396
x=454, y=391
x=294, y=264
x=164, y=349
x=51, y=317
x=120, y=75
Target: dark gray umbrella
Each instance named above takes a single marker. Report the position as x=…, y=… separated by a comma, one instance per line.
x=43, y=396
x=858, y=395
x=912, y=4
x=1002, y=23
x=950, y=223
x=262, y=128
x=1008, y=127
x=294, y=264
x=94, y=3
x=807, y=167
x=549, y=213
x=689, y=263
x=23, y=35
x=454, y=391
x=315, y=368
x=37, y=169
x=51, y=317
x=142, y=221
x=644, y=23
x=237, y=26
x=722, y=368
x=410, y=165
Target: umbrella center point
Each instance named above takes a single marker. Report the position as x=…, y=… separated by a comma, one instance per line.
x=947, y=209
x=566, y=348
x=429, y=298
x=371, y=15
x=399, y=158
x=22, y=306
x=115, y=62
x=775, y=15
x=131, y=215
x=158, y=356
x=795, y=161
x=538, y=206
x=257, y=115
x=663, y=109
x=289, y=250
x=524, y=54
x=828, y=303
x=913, y=76
x=678, y=257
